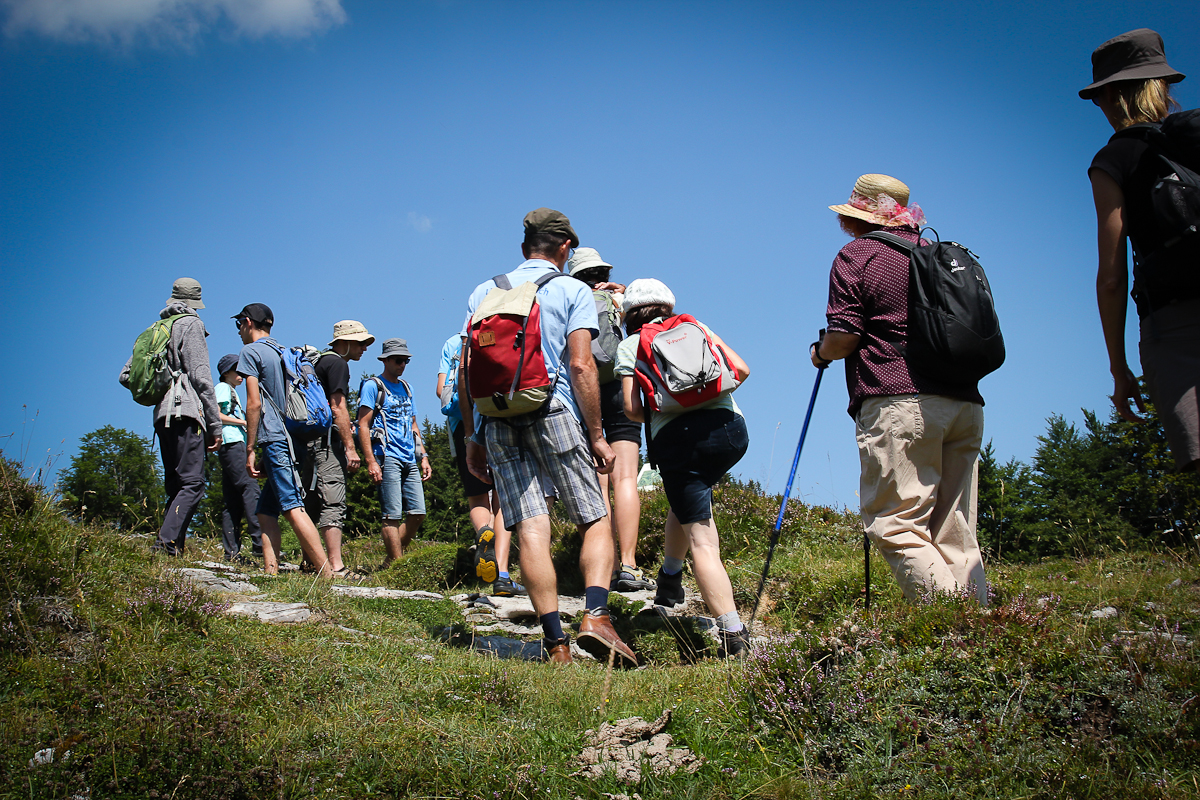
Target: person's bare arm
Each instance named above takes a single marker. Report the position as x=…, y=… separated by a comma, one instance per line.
x=365, y=415
x=419, y=447
x=253, y=415
x=1112, y=286
x=834, y=345
x=585, y=383
x=228, y=420
x=440, y=383
x=341, y=418
x=739, y=366
x=631, y=395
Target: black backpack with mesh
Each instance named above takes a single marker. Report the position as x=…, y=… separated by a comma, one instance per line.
x=953, y=332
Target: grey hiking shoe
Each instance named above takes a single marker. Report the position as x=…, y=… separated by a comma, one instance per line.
x=630, y=579
x=733, y=644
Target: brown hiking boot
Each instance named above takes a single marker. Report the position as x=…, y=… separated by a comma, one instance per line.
x=558, y=651
x=597, y=637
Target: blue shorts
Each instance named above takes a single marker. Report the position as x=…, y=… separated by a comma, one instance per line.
x=401, y=491
x=282, y=490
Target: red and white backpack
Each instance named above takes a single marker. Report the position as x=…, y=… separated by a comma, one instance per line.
x=679, y=366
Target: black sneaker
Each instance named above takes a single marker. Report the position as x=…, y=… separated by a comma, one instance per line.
x=670, y=589
x=733, y=644
x=485, y=554
x=507, y=587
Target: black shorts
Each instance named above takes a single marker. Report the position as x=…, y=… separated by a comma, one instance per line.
x=694, y=451
x=617, y=426
x=472, y=486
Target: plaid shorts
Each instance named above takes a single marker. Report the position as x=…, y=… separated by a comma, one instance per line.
x=523, y=449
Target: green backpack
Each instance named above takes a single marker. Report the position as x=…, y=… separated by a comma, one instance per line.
x=150, y=374
x=604, y=346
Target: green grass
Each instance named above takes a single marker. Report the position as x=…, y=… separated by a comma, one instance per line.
x=1031, y=699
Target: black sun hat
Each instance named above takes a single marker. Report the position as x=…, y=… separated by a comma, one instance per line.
x=1136, y=55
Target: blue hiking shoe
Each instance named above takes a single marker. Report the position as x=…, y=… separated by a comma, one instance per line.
x=507, y=587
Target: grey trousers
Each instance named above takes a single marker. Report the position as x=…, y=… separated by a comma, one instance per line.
x=241, y=500
x=182, y=447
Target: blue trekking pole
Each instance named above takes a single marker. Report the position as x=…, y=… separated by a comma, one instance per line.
x=762, y=582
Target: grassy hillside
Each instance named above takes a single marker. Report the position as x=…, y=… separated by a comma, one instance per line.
x=155, y=693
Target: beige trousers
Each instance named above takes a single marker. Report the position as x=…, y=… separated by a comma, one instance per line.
x=920, y=473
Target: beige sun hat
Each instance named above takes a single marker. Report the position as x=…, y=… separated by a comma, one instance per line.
x=882, y=200
x=585, y=258
x=353, y=330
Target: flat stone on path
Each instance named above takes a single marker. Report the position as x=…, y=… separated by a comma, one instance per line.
x=271, y=612
x=222, y=584
x=382, y=593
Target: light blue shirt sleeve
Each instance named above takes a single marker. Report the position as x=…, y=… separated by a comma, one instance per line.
x=368, y=394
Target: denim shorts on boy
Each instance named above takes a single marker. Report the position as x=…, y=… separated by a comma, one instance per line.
x=281, y=492
x=524, y=449
x=694, y=451
x=401, y=491
x=617, y=426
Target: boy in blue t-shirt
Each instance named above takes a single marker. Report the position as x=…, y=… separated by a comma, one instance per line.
x=393, y=449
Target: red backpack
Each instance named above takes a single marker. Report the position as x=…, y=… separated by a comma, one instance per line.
x=506, y=374
x=679, y=366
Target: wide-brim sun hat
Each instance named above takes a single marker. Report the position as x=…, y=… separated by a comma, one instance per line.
x=352, y=330
x=882, y=200
x=1135, y=55
x=586, y=258
x=647, y=292
x=186, y=290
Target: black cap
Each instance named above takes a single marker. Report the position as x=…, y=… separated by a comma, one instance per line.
x=259, y=312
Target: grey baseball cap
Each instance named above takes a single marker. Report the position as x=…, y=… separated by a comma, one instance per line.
x=395, y=347
x=186, y=290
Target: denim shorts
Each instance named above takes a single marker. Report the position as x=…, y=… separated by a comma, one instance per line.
x=694, y=451
x=282, y=490
x=401, y=491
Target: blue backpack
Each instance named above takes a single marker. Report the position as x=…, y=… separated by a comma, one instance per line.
x=306, y=412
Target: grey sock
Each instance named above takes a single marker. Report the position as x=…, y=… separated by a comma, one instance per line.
x=672, y=566
x=730, y=622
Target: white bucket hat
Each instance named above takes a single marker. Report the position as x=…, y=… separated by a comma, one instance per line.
x=647, y=292
x=585, y=258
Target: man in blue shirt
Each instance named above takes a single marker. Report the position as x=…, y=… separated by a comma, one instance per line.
x=261, y=364
x=392, y=447
x=563, y=441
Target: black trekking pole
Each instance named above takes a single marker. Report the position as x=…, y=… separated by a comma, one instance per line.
x=762, y=582
x=867, y=566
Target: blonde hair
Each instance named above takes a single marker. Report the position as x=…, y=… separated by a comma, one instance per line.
x=1142, y=101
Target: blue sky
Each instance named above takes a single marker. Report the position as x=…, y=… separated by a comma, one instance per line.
x=373, y=160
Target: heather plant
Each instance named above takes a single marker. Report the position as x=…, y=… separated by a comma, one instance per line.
x=175, y=599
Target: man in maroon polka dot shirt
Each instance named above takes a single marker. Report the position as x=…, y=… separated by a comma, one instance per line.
x=918, y=440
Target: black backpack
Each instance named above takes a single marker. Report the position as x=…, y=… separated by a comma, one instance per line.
x=953, y=332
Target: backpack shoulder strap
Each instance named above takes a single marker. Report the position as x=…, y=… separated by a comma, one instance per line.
x=897, y=242
x=549, y=276
x=502, y=282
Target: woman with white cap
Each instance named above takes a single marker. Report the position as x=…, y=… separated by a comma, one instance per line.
x=1131, y=85
x=693, y=449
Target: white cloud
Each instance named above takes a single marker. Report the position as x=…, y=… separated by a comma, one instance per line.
x=126, y=22
x=419, y=222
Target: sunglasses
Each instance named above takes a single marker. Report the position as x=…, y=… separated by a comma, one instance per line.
x=237, y=323
x=399, y=359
